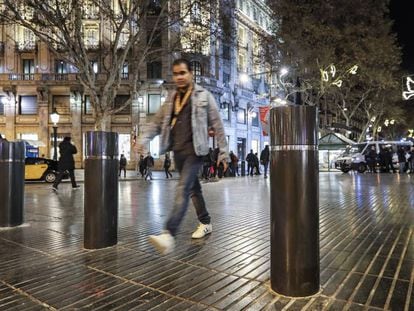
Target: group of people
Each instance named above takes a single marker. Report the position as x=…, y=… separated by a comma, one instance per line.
x=385, y=160
x=253, y=163
x=213, y=169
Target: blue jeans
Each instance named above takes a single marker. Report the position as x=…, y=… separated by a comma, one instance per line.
x=188, y=165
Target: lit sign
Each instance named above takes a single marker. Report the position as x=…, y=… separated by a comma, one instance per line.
x=408, y=92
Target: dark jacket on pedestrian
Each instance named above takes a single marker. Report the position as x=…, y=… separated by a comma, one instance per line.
x=66, y=150
x=264, y=155
x=149, y=161
x=122, y=162
x=167, y=162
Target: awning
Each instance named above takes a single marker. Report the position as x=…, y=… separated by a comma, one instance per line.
x=334, y=141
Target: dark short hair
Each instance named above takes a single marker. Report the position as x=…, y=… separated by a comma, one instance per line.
x=67, y=138
x=184, y=61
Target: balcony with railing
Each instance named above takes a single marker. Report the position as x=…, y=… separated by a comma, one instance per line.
x=92, y=44
x=26, y=46
x=64, y=77
x=206, y=81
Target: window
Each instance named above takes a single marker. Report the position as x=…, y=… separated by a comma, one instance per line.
x=154, y=103
x=154, y=70
x=226, y=79
x=91, y=37
x=195, y=13
x=197, y=69
x=61, y=67
x=125, y=72
x=3, y=101
x=28, y=105
x=242, y=34
x=154, y=147
x=121, y=100
x=87, y=107
x=241, y=116
x=94, y=65
x=62, y=104
x=28, y=69
x=154, y=38
x=242, y=61
x=226, y=52
x=225, y=111
x=124, y=145
x=255, y=119
x=154, y=7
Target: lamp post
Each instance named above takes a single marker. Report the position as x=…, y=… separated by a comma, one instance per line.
x=55, y=119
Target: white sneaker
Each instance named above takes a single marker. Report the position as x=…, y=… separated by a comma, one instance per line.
x=202, y=231
x=164, y=243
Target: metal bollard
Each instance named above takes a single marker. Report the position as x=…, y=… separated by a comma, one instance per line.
x=294, y=201
x=12, y=156
x=101, y=190
x=243, y=168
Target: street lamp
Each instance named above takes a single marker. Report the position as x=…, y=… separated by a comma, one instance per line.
x=55, y=119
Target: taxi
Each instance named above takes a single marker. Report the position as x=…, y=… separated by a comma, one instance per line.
x=41, y=169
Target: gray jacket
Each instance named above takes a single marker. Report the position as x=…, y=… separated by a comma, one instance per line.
x=204, y=115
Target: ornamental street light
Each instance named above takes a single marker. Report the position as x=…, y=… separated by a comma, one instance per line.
x=55, y=119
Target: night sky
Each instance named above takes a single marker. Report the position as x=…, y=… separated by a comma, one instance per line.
x=403, y=22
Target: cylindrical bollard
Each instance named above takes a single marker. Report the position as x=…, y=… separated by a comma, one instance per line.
x=294, y=201
x=243, y=168
x=11, y=183
x=101, y=190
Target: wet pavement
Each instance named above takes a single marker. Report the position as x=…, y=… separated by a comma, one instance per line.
x=366, y=249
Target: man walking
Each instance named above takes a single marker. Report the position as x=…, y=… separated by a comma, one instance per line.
x=122, y=165
x=250, y=162
x=183, y=123
x=264, y=159
x=149, y=164
x=167, y=164
x=66, y=163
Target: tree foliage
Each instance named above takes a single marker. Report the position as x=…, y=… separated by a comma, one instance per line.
x=311, y=36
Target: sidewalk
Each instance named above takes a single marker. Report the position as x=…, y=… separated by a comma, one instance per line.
x=366, y=249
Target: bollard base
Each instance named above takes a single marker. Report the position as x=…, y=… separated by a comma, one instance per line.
x=4, y=228
x=94, y=245
x=317, y=293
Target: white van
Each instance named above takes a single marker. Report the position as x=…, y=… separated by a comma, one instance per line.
x=353, y=157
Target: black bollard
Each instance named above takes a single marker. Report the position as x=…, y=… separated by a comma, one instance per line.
x=101, y=190
x=243, y=168
x=11, y=183
x=294, y=201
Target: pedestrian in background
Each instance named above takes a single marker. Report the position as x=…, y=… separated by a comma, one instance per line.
x=142, y=166
x=122, y=165
x=264, y=159
x=149, y=164
x=167, y=164
x=256, y=164
x=234, y=164
x=411, y=160
x=250, y=162
x=66, y=163
x=183, y=122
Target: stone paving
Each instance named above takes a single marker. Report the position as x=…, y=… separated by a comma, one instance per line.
x=366, y=248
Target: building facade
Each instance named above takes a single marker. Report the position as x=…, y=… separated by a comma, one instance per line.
x=34, y=83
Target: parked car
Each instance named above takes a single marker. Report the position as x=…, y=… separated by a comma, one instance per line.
x=353, y=157
x=41, y=169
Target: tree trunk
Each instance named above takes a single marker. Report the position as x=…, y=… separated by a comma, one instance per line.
x=103, y=122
